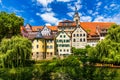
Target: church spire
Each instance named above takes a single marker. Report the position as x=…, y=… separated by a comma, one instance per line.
x=76, y=10
x=76, y=16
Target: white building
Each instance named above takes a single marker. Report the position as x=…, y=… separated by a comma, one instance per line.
x=46, y=31
x=63, y=44
x=79, y=38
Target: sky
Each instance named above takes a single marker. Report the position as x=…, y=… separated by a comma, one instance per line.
x=42, y=12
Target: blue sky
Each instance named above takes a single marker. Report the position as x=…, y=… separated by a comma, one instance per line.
x=41, y=12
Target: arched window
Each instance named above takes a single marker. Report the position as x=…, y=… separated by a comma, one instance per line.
x=80, y=39
x=74, y=40
x=77, y=35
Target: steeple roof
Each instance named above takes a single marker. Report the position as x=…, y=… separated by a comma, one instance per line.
x=76, y=11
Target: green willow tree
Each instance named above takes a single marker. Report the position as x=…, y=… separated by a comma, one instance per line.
x=15, y=51
x=9, y=24
x=108, y=50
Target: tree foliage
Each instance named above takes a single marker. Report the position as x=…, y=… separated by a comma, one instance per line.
x=108, y=50
x=15, y=51
x=9, y=24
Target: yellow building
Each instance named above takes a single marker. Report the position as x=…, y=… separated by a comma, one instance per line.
x=43, y=47
x=38, y=47
x=50, y=47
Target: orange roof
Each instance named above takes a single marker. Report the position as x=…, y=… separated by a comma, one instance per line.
x=90, y=27
x=69, y=23
x=35, y=28
x=22, y=28
x=53, y=28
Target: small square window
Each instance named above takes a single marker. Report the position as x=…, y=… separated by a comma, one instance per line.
x=77, y=35
x=67, y=50
x=80, y=34
x=60, y=50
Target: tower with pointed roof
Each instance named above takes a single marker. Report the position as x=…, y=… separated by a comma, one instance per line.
x=76, y=17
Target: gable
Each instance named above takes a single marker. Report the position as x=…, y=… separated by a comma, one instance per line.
x=62, y=35
x=28, y=27
x=79, y=30
x=45, y=29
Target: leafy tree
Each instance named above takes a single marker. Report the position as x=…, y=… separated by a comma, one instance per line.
x=9, y=24
x=15, y=51
x=108, y=50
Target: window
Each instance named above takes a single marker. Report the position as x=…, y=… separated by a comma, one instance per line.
x=80, y=34
x=74, y=40
x=83, y=34
x=37, y=54
x=47, y=46
x=64, y=50
x=67, y=50
x=64, y=41
x=83, y=39
x=51, y=46
x=60, y=45
x=64, y=36
x=37, y=46
x=76, y=21
x=80, y=39
x=73, y=35
x=60, y=50
x=67, y=40
x=60, y=35
x=51, y=53
x=77, y=35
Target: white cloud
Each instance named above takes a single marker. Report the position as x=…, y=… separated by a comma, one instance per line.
x=90, y=11
x=85, y=18
x=49, y=17
x=48, y=9
x=114, y=18
x=99, y=19
x=99, y=4
x=77, y=4
x=0, y=1
x=44, y=2
x=70, y=14
x=47, y=24
x=112, y=5
x=64, y=0
x=95, y=13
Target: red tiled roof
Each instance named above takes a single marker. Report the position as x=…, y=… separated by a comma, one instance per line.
x=35, y=28
x=90, y=27
x=53, y=28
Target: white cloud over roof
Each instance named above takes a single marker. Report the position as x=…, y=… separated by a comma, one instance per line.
x=48, y=17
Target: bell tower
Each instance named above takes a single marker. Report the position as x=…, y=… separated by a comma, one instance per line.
x=76, y=17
